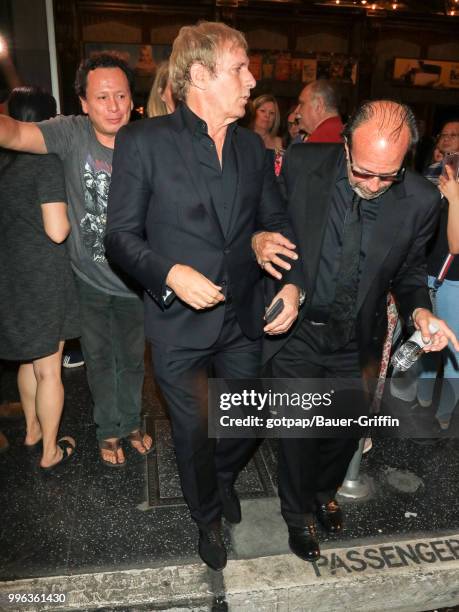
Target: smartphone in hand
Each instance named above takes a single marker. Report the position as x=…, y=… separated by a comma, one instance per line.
x=276, y=308
x=451, y=160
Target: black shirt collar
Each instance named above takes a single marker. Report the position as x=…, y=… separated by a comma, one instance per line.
x=197, y=126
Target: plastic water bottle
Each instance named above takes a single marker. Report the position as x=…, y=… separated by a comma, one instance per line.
x=407, y=354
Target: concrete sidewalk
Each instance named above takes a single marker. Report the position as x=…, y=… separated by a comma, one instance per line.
x=91, y=538
x=406, y=576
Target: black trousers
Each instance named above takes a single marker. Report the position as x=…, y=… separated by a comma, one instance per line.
x=182, y=375
x=311, y=470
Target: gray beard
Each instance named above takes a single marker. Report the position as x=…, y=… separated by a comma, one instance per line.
x=369, y=196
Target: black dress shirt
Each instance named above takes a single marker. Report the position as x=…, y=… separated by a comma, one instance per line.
x=325, y=285
x=221, y=180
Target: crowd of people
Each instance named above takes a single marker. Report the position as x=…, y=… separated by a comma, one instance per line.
x=176, y=222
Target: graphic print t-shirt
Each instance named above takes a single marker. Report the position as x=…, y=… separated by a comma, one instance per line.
x=96, y=182
x=88, y=168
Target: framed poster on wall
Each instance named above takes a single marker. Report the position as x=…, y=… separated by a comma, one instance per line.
x=282, y=66
x=143, y=59
x=433, y=74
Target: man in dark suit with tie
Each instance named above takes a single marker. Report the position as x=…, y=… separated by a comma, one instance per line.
x=188, y=192
x=362, y=223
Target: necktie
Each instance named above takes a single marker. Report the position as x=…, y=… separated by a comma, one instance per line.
x=341, y=324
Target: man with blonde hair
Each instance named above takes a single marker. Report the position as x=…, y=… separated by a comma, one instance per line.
x=188, y=192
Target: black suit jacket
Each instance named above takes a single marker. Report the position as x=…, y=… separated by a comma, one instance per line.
x=160, y=213
x=396, y=257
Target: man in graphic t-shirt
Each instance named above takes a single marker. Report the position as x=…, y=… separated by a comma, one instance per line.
x=111, y=309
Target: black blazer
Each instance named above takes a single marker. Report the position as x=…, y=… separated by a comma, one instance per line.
x=396, y=258
x=160, y=213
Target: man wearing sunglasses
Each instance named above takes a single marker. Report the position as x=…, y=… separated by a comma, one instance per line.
x=362, y=223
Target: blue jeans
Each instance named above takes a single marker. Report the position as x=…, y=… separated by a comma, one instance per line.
x=113, y=344
x=447, y=308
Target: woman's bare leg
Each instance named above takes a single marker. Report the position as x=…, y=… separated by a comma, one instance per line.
x=27, y=384
x=49, y=402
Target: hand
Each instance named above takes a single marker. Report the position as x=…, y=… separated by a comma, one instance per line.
x=282, y=323
x=439, y=340
x=449, y=187
x=193, y=288
x=267, y=247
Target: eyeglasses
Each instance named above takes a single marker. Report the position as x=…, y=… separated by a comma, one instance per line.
x=292, y=123
x=446, y=135
x=393, y=177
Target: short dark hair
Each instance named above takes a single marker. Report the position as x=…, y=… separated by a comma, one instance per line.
x=387, y=112
x=31, y=104
x=104, y=59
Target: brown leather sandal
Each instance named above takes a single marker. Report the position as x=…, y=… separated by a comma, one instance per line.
x=112, y=446
x=138, y=436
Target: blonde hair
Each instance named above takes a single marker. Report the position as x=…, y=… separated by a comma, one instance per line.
x=200, y=44
x=263, y=99
x=155, y=105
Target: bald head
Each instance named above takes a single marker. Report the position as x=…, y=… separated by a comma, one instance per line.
x=378, y=137
x=385, y=118
x=384, y=134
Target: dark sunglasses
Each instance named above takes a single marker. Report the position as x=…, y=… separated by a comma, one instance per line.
x=393, y=177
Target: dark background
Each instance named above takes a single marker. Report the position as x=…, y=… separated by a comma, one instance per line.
x=422, y=29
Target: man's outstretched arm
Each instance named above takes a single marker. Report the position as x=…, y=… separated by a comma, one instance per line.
x=21, y=136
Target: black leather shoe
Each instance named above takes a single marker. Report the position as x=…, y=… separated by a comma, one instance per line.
x=303, y=542
x=231, y=506
x=211, y=547
x=330, y=516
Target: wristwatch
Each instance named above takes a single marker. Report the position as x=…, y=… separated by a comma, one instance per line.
x=302, y=298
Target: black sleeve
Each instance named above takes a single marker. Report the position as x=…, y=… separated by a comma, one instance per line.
x=410, y=284
x=273, y=217
x=128, y=203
